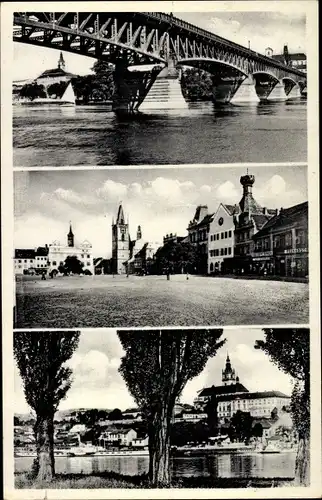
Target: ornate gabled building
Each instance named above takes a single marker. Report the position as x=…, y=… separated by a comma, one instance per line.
x=251, y=218
x=198, y=231
x=221, y=237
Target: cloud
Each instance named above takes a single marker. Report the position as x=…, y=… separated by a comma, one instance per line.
x=275, y=193
x=227, y=192
x=112, y=191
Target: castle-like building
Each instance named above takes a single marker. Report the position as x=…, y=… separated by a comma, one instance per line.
x=232, y=396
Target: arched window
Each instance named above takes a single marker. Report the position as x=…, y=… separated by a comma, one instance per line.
x=211, y=267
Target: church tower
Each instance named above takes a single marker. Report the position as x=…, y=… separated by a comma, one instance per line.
x=228, y=374
x=248, y=203
x=70, y=236
x=120, y=243
x=61, y=62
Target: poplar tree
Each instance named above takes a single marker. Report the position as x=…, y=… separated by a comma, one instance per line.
x=289, y=349
x=156, y=367
x=41, y=358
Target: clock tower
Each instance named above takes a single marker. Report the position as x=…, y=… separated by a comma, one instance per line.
x=120, y=243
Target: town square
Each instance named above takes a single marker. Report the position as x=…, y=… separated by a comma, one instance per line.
x=147, y=264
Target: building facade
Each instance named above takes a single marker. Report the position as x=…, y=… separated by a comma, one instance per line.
x=58, y=253
x=232, y=396
x=221, y=237
x=284, y=241
x=198, y=234
x=251, y=218
x=31, y=261
x=55, y=75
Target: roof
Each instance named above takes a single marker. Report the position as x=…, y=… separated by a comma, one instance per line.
x=55, y=72
x=299, y=56
x=231, y=209
x=253, y=395
x=206, y=220
x=120, y=216
x=42, y=251
x=25, y=253
x=260, y=220
x=223, y=389
x=285, y=217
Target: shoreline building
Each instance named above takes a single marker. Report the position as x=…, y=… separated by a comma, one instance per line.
x=31, y=261
x=221, y=237
x=232, y=396
x=55, y=75
x=296, y=60
x=59, y=252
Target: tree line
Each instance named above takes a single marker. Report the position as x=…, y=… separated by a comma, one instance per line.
x=156, y=367
x=99, y=86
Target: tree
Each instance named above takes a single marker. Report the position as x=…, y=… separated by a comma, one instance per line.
x=73, y=265
x=274, y=414
x=41, y=358
x=258, y=430
x=115, y=414
x=32, y=91
x=242, y=423
x=176, y=257
x=211, y=409
x=289, y=349
x=57, y=89
x=156, y=367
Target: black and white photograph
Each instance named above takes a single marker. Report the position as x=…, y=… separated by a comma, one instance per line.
x=187, y=408
x=154, y=247
x=145, y=88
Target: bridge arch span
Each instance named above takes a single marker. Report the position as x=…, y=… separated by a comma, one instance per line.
x=210, y=65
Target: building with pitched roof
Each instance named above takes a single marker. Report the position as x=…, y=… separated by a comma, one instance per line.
x=250, y=219
x=284, y=241
x=232, y=396
x=198, y=234
x=221, y=237
x=55, y=75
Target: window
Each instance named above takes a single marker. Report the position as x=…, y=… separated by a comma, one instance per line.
x=30, y=261
x=288, y=239
x=229, y=251
x=25, y=260
x=226, y=251
x=222, y=236
x=88, y=263
x=226, y=234
x=54, y=263
x=19, y=260
x=88, y=256
x=221, y=251
x=229, y=234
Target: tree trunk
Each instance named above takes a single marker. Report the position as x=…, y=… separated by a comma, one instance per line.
x=44, y=464
x=302, y=463
x=159, y=449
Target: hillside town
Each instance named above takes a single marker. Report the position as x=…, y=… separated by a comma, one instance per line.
x=226, y=416
x=240, y=239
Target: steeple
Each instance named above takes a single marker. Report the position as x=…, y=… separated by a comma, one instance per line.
x=228, y=374
x=70, y=236
x=248, y=203
x=120, y=215
x=61, y=62
x=139, y=233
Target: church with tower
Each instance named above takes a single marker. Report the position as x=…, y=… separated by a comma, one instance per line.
x=55, y=75
x=129, y=256
x=231, y=395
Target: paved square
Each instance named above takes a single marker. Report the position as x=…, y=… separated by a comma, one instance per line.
x=104, y=301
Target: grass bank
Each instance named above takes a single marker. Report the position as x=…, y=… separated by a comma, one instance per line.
x=115, y=480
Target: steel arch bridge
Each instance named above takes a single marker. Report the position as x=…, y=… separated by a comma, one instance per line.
x=145, y=42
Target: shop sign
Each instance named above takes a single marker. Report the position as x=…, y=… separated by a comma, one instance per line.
x=263, y=254
x=261, y=258
x=295, y=250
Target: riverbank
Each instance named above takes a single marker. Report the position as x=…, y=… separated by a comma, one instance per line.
x=115, y=480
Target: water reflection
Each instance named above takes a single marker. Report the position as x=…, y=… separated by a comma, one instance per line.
x=230, y=465
x=93, y=135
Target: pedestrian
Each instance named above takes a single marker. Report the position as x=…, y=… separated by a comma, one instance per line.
x=43, y=275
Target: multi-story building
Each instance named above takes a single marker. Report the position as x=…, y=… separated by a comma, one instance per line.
x=58, y=253
x=55, y=75
x=31, y=261
x=198, y=231
x=281, y=246
x=251, y=218
x=122, y=437
x=221, y=237
x=296, y=60
x=232, y=396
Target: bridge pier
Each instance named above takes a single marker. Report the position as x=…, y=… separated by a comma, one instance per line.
x=246, y=92
x=278, y=93
x=224, y=88
x=165, y=93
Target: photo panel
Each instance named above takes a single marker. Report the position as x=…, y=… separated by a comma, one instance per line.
x=181, y=408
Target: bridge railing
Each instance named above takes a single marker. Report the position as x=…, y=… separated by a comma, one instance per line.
x=211, y=36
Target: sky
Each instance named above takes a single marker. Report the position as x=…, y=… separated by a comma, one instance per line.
x=261, y=29
x=97, y=382
x=160, y=200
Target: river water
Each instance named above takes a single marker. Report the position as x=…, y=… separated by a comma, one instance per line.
x=223, y=465
x=93, y=135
